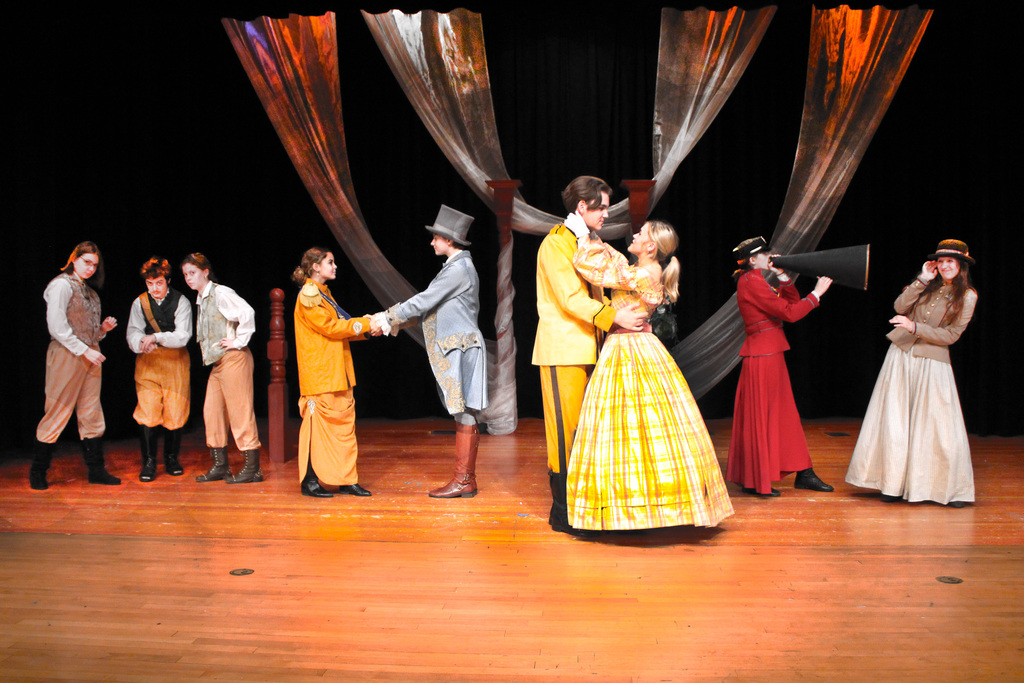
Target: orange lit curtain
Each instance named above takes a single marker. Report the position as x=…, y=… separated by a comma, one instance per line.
x=293, y=65
x=856, y=61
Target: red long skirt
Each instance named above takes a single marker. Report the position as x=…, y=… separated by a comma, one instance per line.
x=767, y=439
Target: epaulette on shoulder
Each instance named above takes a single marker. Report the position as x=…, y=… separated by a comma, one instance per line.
x=309, y=295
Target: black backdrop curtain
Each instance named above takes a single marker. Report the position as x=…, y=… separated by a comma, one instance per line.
x=147, y=137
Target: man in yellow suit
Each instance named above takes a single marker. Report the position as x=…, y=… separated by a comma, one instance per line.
x=573, y=315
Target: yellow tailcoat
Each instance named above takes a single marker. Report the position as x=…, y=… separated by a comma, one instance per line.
x=569, y=315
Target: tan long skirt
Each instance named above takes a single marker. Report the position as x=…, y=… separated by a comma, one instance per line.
x=913, y=441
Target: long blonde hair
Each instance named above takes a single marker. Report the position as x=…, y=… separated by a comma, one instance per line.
x=666, y=240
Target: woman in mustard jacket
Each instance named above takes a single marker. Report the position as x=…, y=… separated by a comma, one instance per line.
x=327, y=437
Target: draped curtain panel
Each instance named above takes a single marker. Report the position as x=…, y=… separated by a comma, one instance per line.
x=856, y=61
x=701, y=56
x=439, y=61
x=293, y=65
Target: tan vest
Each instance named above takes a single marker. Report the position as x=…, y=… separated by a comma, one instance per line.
x=211, y=327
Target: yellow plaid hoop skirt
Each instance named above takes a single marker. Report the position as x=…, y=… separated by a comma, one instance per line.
x=642, y=457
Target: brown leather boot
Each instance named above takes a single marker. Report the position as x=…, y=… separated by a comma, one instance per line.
x=251, y=472
x=463, y=484
x=220, y=469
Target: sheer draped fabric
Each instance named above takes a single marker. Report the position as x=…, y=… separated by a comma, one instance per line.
x=439, y=61
x=701, y=56
x=293, y=65
x=856, y=62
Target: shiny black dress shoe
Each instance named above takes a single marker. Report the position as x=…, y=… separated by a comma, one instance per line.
x=353, y=490
x=315, y=490
x=754, y=492
x=956, y=503
x=890, y=499
x=807, y=479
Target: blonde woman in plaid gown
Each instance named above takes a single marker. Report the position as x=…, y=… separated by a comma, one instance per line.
x=642, y=457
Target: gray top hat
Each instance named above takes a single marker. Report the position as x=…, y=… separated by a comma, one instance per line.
x=451, y=224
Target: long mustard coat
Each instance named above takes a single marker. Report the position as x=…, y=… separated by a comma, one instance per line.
x=321, y=342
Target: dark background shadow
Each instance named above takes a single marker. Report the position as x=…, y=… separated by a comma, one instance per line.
x=140, y=130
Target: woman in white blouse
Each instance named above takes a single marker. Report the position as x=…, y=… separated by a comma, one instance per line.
x=224, y=326
x=73, y=361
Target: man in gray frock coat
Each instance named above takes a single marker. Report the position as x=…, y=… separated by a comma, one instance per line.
x=448, y=310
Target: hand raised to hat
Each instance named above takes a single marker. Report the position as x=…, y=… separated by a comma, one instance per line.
x=928, y=271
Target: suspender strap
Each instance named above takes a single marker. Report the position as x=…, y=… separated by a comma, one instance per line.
x=147, y=310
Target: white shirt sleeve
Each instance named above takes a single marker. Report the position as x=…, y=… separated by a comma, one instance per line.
x=182, y=327
x=236, y=310
x=136, y=327
x=57, y=296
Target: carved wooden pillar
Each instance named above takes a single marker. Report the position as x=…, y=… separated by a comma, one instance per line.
x=639, y=201
x=277, y=391
x=503, y=413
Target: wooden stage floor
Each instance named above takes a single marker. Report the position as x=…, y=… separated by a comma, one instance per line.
x=134, y=583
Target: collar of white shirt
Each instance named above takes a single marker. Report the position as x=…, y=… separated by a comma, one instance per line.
x=575, y=223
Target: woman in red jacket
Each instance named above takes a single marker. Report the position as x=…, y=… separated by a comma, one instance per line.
x=767, y=438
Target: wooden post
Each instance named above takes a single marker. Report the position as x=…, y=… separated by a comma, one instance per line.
x=277, y=391
x=502, y=417
x=639, y=201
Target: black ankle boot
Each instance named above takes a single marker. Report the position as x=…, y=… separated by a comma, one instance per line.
x=807, y=479
x=148, y=446
x=92, y=453
x=172, y=446
x=311, y=485
x=40, y=464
